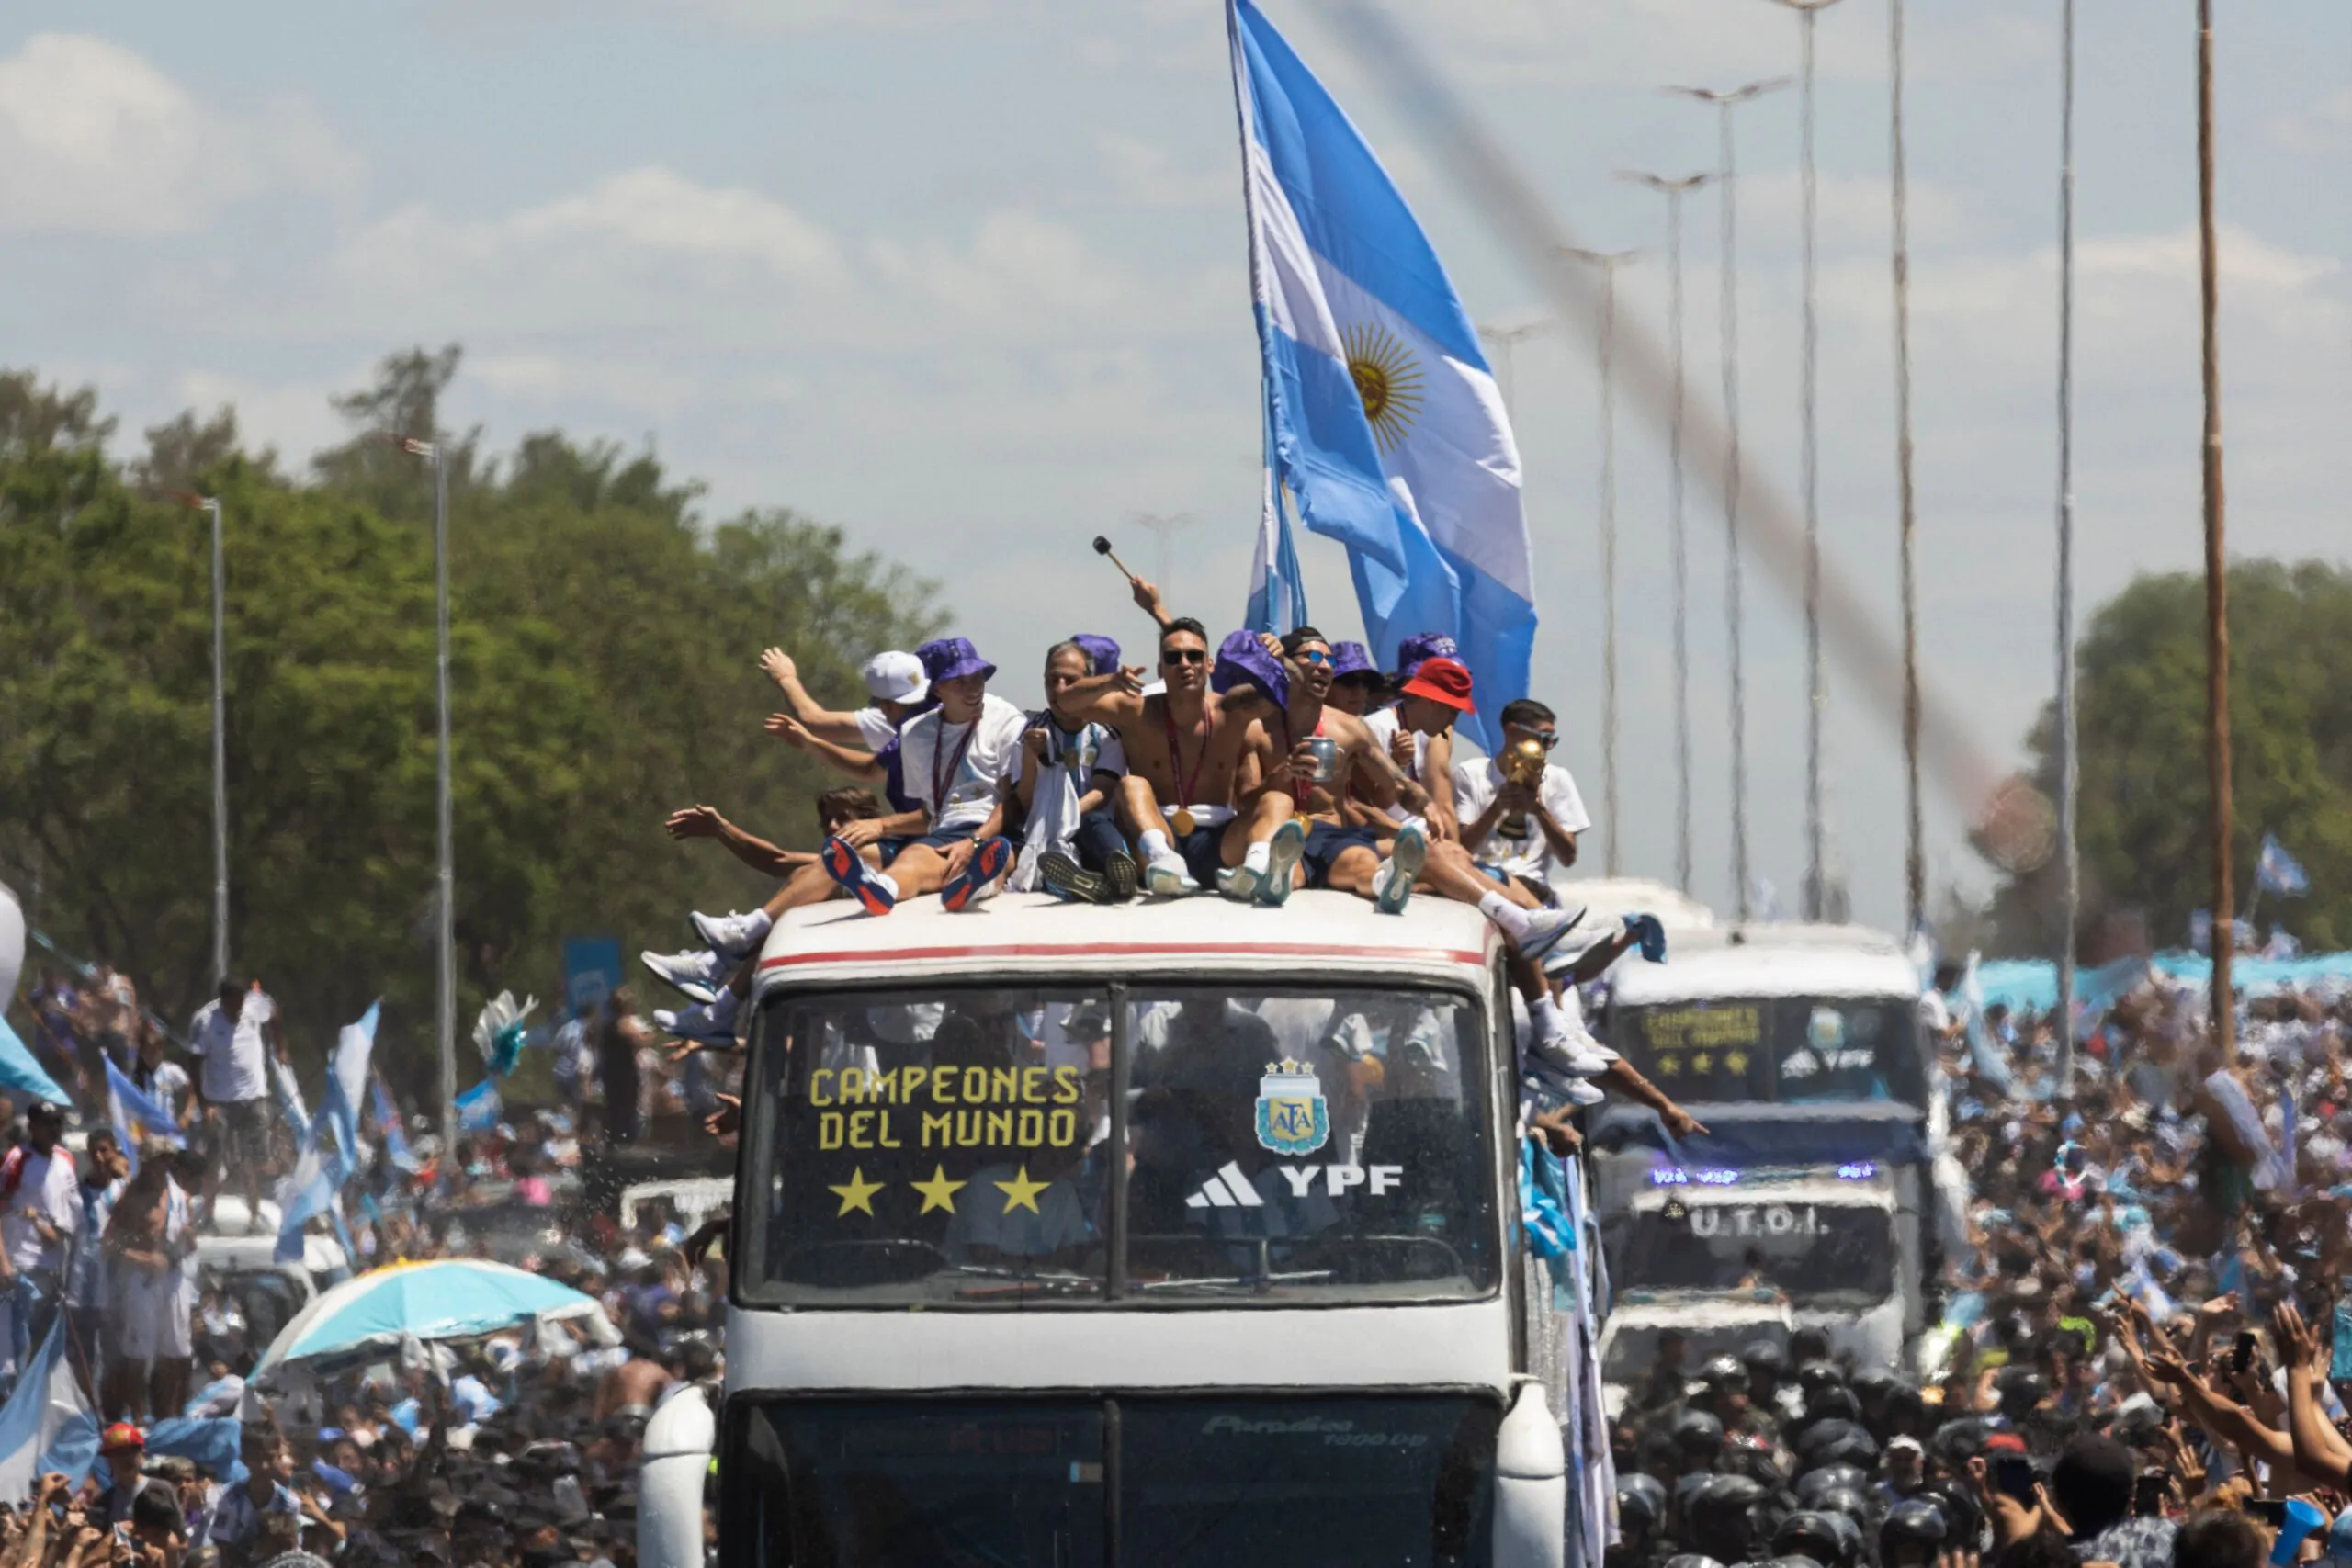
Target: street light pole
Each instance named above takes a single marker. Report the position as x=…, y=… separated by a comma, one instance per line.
x=1674, y=190
x=1734, y=615
x=1817, y=697
x=211, y=505
x=1914, y=852
x=444, y=880
x=1608, y=261
x=1164, y=529
x=2069, y=866
x=2217, y=589
x=1503, y=340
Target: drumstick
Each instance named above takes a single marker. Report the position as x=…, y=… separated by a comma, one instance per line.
x=1102, y=547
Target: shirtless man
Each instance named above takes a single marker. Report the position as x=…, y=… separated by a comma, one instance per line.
x=1348, y=858
x=1196, y=796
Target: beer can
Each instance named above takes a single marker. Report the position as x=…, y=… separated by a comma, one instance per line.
x=1327, y=758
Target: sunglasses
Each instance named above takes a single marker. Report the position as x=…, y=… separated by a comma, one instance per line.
x=1320, y=658
x=1547, y=739
x=1186, y=656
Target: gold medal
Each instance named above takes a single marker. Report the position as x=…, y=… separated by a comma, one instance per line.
x=1181, y=822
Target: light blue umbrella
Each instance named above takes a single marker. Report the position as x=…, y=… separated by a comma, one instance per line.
x=452, y=1298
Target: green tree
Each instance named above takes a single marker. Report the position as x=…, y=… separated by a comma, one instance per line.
x=604, y=672
x=2145, y=805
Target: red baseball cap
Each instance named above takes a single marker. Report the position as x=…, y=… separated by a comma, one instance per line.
x=1443, y=681
x=121, y=1434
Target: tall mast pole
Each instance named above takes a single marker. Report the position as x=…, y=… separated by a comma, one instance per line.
x=2217, y=589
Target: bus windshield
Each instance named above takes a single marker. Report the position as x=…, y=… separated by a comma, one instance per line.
x=960, y=1146
x=1789, y=1050
x=1810, y=1254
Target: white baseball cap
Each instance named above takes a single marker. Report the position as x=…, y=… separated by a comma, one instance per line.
x=896, y=677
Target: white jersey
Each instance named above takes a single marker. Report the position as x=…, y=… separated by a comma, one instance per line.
x=1517, y=847
x=957, y=772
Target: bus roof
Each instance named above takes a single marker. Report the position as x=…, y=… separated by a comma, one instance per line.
x=1763, y=967
x=1033, y=932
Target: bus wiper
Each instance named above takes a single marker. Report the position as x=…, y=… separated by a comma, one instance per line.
x=1012, y=1282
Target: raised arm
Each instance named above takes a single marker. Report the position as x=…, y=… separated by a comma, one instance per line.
x=2321, y=1451
x=704, y=822
x=857, y=764
x=1114, y=699
x=820, y=721
x=1148, y=601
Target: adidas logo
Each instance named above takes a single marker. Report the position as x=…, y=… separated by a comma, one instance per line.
x=1229, y=1188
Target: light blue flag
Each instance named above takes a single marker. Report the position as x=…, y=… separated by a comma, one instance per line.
x=479, y=1108
x=136, y=1117
x=46, y=1425
x=289, y=1095
x=388, y=1127
x=2278, y=872
x=330, y=1146
x=22, y=1073
x=1277, y=589
x=1385, y=423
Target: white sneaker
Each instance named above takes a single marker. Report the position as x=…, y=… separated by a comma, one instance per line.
x=1565, y=1054
x=1237, y=883
x=1584, y=1093
x=697, y=972
x=1393, y=884
x=729, y=936
x=1166, y=876
x=711, y=1023
x=1544, y=930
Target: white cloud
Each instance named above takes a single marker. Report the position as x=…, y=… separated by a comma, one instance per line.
x=96, y=139
x=1144, y=173
x=2325, y=127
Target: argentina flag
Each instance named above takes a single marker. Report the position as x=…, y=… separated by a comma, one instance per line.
x=1383, y=422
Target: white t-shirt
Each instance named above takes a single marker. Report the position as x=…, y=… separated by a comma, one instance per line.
x=1382, y=726
x=47, y=1186
x=235, y=1056
x=875, y=728
x=972, y=790
x=169, y=1088
x=1516, y=849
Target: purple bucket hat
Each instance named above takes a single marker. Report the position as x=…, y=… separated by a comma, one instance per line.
x=950, y=656
x=1352, y=659
x=1102, y=653
x=1414, y=649
x=1243, y=660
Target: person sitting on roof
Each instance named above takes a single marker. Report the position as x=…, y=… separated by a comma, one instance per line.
x=958, y=761
x=1068, y=789
x=1518, y=831
x=1196, y=796
x=732, y=941
x=1417, y=732
x=895, y=679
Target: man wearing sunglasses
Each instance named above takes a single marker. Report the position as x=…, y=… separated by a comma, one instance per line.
x=1194, y=809
x=1515, y=831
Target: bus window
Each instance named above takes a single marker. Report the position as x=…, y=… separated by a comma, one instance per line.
x=949, y=1150
x=1308, y=1146
x=1813, y=1254
x=1789, y=1050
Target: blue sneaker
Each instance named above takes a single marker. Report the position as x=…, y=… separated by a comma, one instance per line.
x=1283, y=851
x=1395, y=882
x=1651, y=934
x=978, y=879
x=848, y=868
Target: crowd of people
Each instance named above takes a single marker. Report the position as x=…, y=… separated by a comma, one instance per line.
x=521, y=1448
x=2139, y=1334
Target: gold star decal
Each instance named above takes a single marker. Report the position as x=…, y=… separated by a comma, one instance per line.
x=1020, y=1193
x=1670, y=1066
x=858, y=1194
x=938, y=1193
x=1702, y=1062
x=1735, y=1060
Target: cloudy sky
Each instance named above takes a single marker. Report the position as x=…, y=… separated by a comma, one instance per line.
x=965, y=278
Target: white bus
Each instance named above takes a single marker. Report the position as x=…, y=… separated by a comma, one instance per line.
x=1817, y=1186
x=1177, y=1233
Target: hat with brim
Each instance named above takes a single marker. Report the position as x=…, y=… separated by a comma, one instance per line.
x=1243, y=660
x=1414, y=652
x=1441, y=680
x=1102, y=653
x=896, y=677
x=1353, y=660
x=953, y=658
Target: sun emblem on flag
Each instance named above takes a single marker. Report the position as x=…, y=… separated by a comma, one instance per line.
x=1388, y=381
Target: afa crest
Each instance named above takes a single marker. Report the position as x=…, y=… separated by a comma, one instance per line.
x=1292, y=1116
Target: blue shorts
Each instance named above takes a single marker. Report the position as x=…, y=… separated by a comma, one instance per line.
x=1327, y=841
x=941, y=840
x=1202, y=850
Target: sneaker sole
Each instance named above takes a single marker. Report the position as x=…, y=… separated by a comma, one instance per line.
x=1120, y=872
x=1538, y=950
x=700, y=990
x=1167, y=884
x=1411, y=852
x=988, y=863
x=1065, y=878
x=847, y=868
x=704, y=935
x=1240, y=884
x=1283, y=851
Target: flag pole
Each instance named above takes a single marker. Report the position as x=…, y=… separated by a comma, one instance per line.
x=2069, y=769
